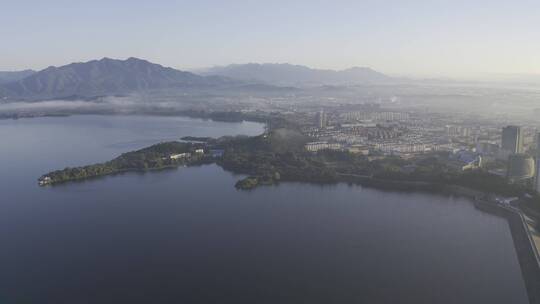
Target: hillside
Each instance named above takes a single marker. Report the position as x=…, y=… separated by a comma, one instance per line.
x=6, y=77
x=297, y=75
x=104, y=77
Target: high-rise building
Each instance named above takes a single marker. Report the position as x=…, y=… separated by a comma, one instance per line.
x=321, y=120
x=537, y=158
x=512, y=139
x=521, y=169
x=461, y=131
x=537, y=146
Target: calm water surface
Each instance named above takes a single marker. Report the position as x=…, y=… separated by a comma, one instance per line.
x=187, y=236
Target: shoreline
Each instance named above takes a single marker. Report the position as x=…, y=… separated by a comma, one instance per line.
x=526, y=250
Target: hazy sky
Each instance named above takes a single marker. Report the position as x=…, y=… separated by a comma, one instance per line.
x=432, y=37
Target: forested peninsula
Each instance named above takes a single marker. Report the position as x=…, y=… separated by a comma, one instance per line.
x=279, y=155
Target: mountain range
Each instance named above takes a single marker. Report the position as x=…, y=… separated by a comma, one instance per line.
x=284, y=74
x=111, y=76
x=104, y=77
x=6, y=77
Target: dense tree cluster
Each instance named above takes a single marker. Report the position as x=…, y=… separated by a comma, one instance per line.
x=153, y=157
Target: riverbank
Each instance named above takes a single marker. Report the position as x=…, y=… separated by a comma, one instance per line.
x=524, y=243
x=525, y=246
x=526, y=250
x=265, y=163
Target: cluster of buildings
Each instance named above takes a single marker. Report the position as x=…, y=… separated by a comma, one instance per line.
x=458, y=131
x=404, y=134
x=522, y=168
x=376, y=116
x=404, y=147
x=322, y=145
x=388, y=132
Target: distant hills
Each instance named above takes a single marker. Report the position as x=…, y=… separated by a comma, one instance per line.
x=104, y=77
x=285, y=74
x=6, y=77
x=112, y=77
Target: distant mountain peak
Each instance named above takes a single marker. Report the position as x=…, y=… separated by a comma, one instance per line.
x=105, y=76
x=11, y=76
x=291, y=75
x=357, y=68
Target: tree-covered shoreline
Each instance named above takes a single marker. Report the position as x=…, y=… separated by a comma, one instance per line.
x=279, y=156
x=155, y=157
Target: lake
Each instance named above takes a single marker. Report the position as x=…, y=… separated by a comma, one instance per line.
x=188, y=236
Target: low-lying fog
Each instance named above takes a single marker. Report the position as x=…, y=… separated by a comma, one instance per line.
x=515, y=103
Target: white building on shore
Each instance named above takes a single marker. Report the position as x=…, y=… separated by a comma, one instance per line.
x=322, y=145
x=180, y=156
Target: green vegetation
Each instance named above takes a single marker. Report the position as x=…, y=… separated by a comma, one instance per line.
x=152, y=158
x=195, y=138
x=252, y=182
x=277, y=156
x=247, y=183
x=282, y=153
x=280, y=156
